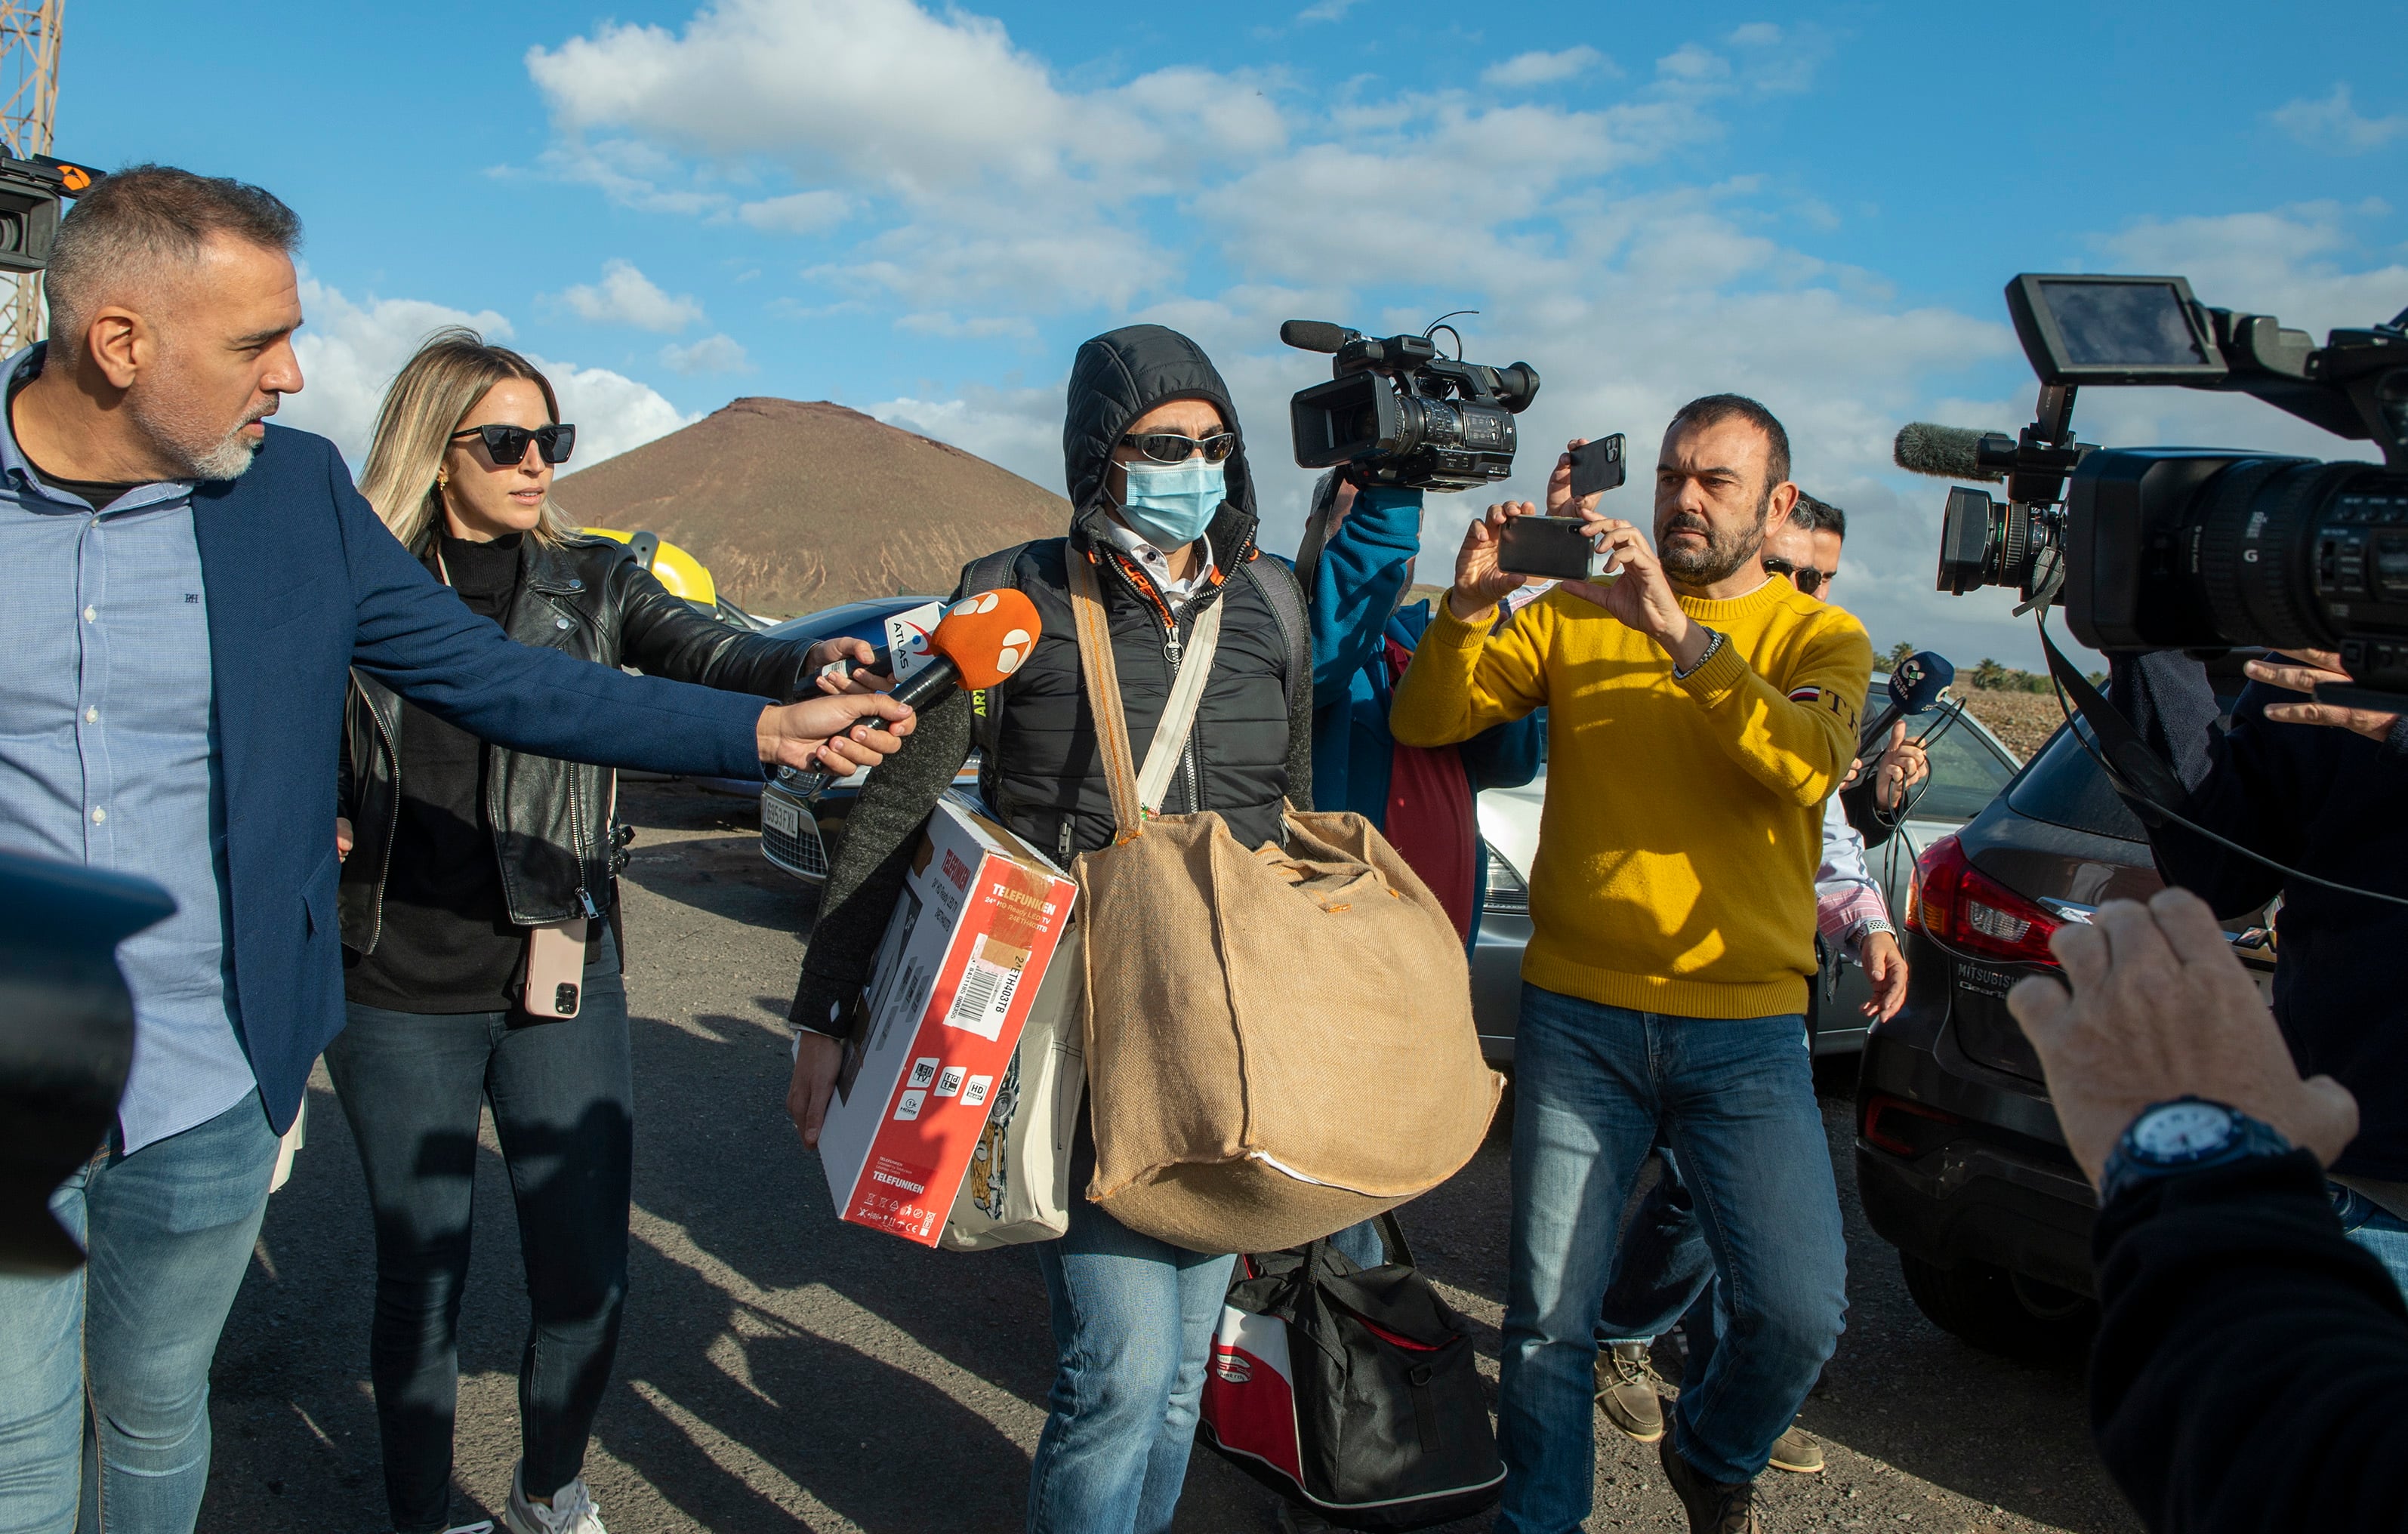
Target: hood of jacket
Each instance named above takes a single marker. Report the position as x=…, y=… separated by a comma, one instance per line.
x=1117, y=378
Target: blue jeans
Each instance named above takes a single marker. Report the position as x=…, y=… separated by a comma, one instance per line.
x=563, y=1095
x=1735, y=1098
x=1133, y=1320
x=2374, y=1228
x=104, y=1374
x=1663, y=1269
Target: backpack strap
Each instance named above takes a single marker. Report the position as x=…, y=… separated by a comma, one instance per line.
x=989, y=572
x=1285, y=597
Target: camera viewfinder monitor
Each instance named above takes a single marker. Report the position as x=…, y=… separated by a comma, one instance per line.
x=2079, y=329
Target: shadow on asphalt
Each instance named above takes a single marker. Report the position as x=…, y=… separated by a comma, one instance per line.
x=773, y=1359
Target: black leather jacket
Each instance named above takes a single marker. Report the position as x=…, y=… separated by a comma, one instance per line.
x=552, y=818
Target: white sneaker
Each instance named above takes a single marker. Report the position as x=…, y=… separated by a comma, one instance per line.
x=572, y=1510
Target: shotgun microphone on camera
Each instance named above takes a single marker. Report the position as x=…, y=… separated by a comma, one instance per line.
x=1949, y=452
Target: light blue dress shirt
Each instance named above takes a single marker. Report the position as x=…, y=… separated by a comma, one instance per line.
x=106, y=757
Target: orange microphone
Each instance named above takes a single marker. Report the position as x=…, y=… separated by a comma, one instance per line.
x=981, y=639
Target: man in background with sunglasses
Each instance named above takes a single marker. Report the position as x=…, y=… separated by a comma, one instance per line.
x=1805, y=550
x=193, y=588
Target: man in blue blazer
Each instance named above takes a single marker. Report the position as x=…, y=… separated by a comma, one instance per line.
x=189, y=588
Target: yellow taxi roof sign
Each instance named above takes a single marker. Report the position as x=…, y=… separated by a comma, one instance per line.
x=680, y=572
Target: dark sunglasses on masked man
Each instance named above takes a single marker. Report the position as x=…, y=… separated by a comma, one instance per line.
x=1171, y=447
x=1808, y=579
x=509, y=444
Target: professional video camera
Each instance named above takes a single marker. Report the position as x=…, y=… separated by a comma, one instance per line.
x=1397, y=413
x=29, y=192
x=2192, y=548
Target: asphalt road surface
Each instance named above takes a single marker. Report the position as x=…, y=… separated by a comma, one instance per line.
x=782, y=1370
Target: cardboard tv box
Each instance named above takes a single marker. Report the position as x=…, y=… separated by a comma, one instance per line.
x=965, y=954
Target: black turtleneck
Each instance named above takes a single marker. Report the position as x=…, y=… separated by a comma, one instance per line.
x=447, y=944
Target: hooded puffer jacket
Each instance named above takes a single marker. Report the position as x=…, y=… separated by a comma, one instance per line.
x=1045, y=780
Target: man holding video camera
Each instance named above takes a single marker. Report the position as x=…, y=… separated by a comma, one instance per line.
x=2317, y=787
x=1698, y=715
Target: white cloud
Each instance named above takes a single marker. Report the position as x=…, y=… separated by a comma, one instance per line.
x=1327, y=10
x=612, y=411
x=626, y=296
x=896, y=95
x=1020, y=428
x=720, y=353
x=1539, y=67
x=350, y=352
x=1691, y=61
x=2331, y=122
x=974, y=191
x=801, y=213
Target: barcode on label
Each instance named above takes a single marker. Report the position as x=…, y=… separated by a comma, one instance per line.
x=984, y=1000
x=982, y=982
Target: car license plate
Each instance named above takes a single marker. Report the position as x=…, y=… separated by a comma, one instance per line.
x=779, y=816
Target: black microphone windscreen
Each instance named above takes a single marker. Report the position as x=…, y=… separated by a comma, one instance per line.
x=1313, y=334
x=930, y=683
x=1946, y=451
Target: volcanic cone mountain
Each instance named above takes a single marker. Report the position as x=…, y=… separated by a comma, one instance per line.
x=797, y=507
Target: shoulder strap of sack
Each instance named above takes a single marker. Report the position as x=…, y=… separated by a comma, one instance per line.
x=1101, y=676
x=1179, y=710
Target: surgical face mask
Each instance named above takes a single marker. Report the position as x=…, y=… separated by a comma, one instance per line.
x=1169, y=505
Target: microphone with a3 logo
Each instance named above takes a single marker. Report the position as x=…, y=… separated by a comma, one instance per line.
x=981, y=639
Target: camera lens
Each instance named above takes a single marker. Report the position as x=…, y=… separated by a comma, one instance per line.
x=2253, y=530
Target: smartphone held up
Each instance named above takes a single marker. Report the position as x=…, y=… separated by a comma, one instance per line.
x=1553, y=548
x=1562, y=548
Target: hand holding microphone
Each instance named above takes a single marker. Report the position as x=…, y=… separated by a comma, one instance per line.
x=982, y=640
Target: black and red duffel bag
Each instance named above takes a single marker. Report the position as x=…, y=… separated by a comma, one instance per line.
x=1351, y=1391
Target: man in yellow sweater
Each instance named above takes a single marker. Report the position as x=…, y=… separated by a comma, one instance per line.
x=1698, y=714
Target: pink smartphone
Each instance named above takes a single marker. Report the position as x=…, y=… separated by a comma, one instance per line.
x=555, y=968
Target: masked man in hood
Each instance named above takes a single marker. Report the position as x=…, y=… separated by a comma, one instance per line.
x=1164, y=509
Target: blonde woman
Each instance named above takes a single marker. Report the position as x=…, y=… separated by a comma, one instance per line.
x=479, y=906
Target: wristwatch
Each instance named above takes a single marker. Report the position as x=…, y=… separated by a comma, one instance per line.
x=2187, y=1134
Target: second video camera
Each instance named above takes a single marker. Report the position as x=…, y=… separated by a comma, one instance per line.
x=1398, y=413
x=2192, y=548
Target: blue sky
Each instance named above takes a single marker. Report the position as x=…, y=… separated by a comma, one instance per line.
x=920, y=212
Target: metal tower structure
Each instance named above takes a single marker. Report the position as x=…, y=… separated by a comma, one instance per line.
x=29, y=109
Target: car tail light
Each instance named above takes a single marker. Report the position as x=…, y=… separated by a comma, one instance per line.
x=1904, y=1128
x=1959, y=907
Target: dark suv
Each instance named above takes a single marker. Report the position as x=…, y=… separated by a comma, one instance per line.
x=1959, y=1160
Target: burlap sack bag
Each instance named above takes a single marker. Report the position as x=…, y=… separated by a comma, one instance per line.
x=1280, y=1042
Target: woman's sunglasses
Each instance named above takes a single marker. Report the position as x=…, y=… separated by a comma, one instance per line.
x=509, y=444
x=1808, y=579
x=1171, y=447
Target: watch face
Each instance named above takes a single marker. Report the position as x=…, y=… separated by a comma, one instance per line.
x=2180, y=1130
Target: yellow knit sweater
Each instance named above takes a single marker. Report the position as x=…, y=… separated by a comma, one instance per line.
x=1683, y=818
